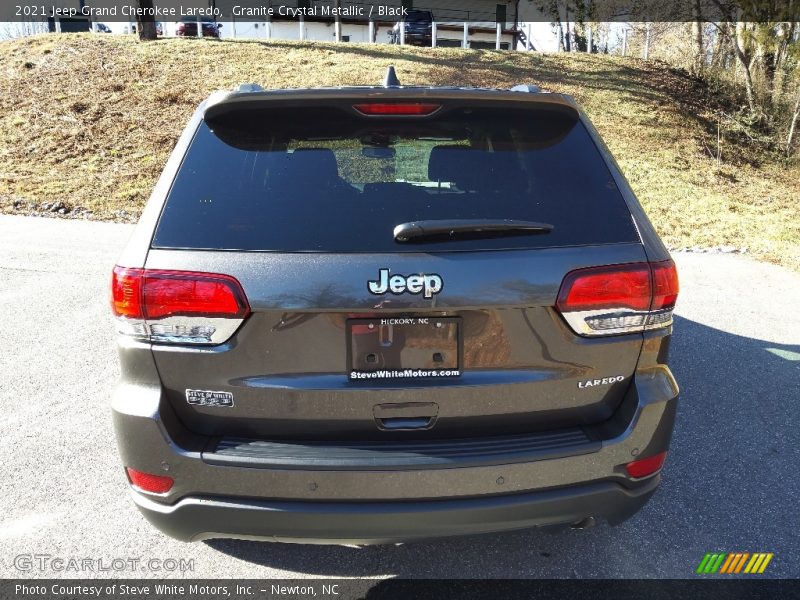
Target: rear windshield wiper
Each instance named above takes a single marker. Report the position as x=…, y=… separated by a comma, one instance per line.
x=453, y=228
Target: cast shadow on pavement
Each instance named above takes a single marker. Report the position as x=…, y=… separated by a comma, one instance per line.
x=734, y=446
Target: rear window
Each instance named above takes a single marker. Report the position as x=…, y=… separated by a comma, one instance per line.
x=332, y=181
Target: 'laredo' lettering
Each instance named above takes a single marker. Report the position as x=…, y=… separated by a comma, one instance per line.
x=604, y=381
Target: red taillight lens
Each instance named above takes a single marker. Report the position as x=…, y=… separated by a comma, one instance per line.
x=395, y=108
x=147, y=482
x=177, y=307
x=126, y=292
x=646, y=466
x=665, y=285
x=139, y=294
x=624, y=286
x=171, y=293
x=619, y=299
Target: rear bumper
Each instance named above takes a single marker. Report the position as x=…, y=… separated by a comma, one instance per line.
x=193, y=519
x=358, y=503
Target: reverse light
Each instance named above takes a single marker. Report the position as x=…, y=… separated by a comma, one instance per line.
x=147, y=482
x=618, y=299
x=644, y=467
x=177, y=306
x=418, y=109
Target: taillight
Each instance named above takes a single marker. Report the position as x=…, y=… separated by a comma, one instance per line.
x=147, y=482
x=418, y=109
x=644, y=467
x=126, y=292
x=665, y=285
x=619, y=299
x=177, y=306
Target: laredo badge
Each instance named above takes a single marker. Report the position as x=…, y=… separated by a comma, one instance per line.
x=209, y=398
x=604, y=381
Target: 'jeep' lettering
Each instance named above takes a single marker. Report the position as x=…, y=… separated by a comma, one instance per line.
x=427, y=285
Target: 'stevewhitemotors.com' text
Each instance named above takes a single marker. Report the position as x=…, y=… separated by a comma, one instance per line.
x=390, y=374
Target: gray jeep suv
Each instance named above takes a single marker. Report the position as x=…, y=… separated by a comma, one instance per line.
x=375, y=314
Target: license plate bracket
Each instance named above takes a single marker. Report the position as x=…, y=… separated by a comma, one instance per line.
x=404, y=348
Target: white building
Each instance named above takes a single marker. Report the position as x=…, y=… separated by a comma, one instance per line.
x=471, y=23
x=460, y=23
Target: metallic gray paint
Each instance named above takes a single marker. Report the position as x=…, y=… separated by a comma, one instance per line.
x=286, y=368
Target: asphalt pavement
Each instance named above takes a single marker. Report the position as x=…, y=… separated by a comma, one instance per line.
x=730, y=484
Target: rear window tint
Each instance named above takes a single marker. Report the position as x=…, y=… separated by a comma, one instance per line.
x=331, y=181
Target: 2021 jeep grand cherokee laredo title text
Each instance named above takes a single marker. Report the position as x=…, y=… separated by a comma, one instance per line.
x=391, y=313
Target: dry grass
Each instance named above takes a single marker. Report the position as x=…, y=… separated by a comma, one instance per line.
x=88, y=121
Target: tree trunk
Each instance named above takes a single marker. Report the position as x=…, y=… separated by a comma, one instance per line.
x=720, y=51
x=744, y=60
x=792, y=127
x=146, y=25
x=555, y=12
x=781, y=56
x=697, y=34
x=737, y=40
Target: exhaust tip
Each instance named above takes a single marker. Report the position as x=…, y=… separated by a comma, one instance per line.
x=586, y=523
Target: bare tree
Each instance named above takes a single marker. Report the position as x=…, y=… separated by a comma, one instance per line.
x=795, y=115
x=17, y=29
x=721, y=53
x=738, y=42
x=697, y=34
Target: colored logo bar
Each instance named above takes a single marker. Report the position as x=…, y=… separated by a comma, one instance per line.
x=733, y=563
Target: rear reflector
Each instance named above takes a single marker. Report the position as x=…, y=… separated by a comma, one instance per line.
x=394, y=109
x=619, y=299
x=646, y=466
x=147, y=482
x=177, y=306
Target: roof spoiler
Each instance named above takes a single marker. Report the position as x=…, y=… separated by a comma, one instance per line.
x=251, y=95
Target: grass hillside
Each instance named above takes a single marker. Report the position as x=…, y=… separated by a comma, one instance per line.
x=87, y=122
